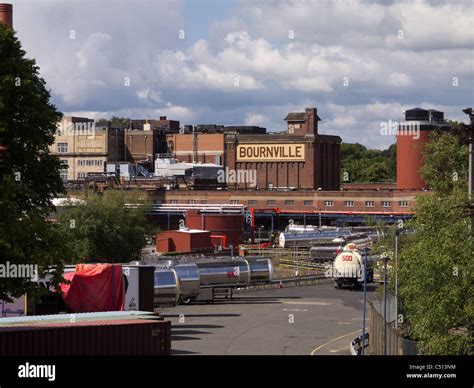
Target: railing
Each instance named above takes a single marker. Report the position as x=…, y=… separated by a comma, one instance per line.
x=356, y=347
x=288, y=282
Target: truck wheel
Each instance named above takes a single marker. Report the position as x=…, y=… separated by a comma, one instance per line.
x=337, y=285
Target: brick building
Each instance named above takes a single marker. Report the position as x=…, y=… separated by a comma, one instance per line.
x=300, y=159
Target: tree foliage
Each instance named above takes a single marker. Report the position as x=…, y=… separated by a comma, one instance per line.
x=365, y=165
x=436, y=266
x=29, y=174
x=115, y=121
x=103, y=230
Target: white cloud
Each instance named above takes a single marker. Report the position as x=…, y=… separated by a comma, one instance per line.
x=248, y=70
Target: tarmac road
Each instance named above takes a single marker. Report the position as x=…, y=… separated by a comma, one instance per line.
x=318, y=320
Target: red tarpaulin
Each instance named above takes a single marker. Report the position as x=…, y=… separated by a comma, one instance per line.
x=94, y=287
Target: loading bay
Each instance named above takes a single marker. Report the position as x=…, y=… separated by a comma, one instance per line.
x=317, y=320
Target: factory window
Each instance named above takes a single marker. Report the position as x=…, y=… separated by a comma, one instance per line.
x=252, y=202
x=403, y=203
x=289, y=202
x=386, y=204
x=329, y=203
x=191, y=201
x=63, y=170
x=234, y=202
x=62, y=147
x=271, y=202
x=349, y=203
x=174, y=201
x=369, y=204
x=308, y=203
x=81, y=175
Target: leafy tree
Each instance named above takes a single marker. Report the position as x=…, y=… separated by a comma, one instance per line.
x=115, y=121
x=365, y=165
x=436, y=267
x=445, y=162
x=29, y=174
x=103, y=230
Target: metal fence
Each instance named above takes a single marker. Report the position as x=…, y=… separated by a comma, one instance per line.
x=389, y=342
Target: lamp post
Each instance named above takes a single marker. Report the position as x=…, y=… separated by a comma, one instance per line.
x=365, y=298
x=397, y=233
x=470, y=130
x=385, y=259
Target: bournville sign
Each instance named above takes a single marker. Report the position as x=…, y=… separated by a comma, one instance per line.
x=270, y=153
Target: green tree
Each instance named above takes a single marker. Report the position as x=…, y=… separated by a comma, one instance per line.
x=435, y=266
x=29, y=175
x=104, y=230
x=368, y=166
x=115, y=121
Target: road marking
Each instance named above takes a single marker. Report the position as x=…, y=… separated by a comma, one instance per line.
x=344, y=323
x=295, y=309
x=308, y=303
x=333, y=340
x=340, y=349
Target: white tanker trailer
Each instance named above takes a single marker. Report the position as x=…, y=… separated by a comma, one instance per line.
x=348, y=268
x=183, y=283
x=307, y=239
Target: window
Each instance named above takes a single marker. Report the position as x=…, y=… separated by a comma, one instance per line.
x=252, y=202
x=203, y=201
x=271, y=202
x=191, y=201
x=63, y=170
x=81, y=175
x=369, y=204
x=349, y=203
x=328, y=203
x=403, y=203
x=234, y=201
x=308, y=203
x=289, y=202
x=174, y=201
x=62, y=147
x=386, y=204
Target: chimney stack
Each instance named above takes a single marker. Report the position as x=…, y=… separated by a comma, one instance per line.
x=6, y=14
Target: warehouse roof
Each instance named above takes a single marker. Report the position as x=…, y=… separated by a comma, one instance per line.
x=298, y=116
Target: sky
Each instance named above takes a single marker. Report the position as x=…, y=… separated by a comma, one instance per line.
x=250, y=62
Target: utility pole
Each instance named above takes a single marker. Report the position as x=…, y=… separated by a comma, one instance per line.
x=397, y=232
x=385, y=259
x=470, y=130
x=365, y=299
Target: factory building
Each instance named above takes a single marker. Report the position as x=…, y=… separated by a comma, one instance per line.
x=196, y=147
x=411, y=137
x=81, y=148
x=300, y=159
x=6, y=14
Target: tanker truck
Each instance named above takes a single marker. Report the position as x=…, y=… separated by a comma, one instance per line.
x=348, y=268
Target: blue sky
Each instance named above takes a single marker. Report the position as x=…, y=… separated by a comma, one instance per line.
x=361, y=63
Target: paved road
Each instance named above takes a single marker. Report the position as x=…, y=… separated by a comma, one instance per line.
x=289, y=321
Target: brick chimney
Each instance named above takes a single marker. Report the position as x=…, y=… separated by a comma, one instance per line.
x=311, y=121
x=6, y=14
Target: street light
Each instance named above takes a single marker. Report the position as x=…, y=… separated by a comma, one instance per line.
x=470, y=130
x=365, y=298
